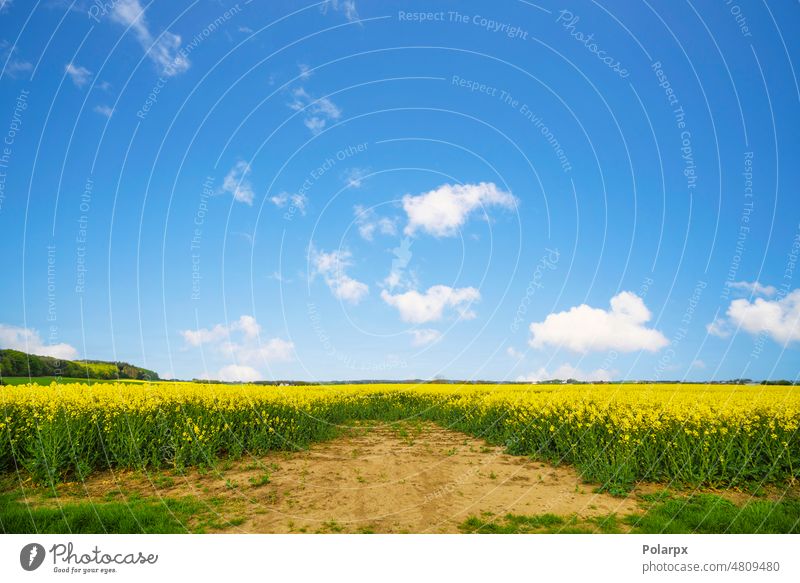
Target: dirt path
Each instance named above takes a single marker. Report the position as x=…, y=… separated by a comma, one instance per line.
x=384, y=479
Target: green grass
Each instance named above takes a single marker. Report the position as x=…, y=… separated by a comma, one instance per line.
x=262, y=480
x=710, y=514
x=699, y=513
x=514, y=524
x=135, y=516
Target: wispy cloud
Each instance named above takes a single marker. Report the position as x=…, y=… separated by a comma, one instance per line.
x=332, y=267
x=104, y=110
x=317, y=112
x=369, y=223
x=354, y=177
x=752, y=288
x=14, y=65
x=297, y=201
x=514, y=353
x=163, y=50
x=79, y=75
x=345, y=7
x=305, y=71
x=236, y=182
x=424, y=336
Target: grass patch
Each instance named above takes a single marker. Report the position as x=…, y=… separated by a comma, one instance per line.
x=513, y=524
x=664, y=513
x=258, y=481
x=136, y=516
x=711, y=514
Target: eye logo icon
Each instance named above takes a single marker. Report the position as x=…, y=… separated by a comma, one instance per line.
x=31, y=556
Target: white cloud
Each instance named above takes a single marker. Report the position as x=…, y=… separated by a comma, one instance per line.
x=28, y=340
x=567, y=371
x=698, y=364
x=368, y=223
x=104, y=110
x=354, y=177
x=752, y=288
x=235, y=373
x=424, y=336
x=346, y=7
x=332, y=266
x=298, y=201
x=429, y=307
x=583, y=328
x=514, y=353
x=305, y=71
x=719, y=327
x=13, y=65
x=164, y=50
x=79, y=75
x=240, y=342
x=271, y=350
x=318, y=112
x=779, y=318
x=442, y=212
x=247, y=325
x=399, y=275
x=237, y=183
x=5, y=5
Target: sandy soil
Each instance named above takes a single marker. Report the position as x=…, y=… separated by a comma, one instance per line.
x=383, y=479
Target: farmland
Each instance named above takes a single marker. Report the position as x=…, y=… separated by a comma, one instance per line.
x=612, y=437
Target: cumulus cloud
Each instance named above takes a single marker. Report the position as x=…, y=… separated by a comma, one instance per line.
x=237, y=183
x=332, y=267
x=752, y=288
x=298, y=201
x=442, y=212
x=369, y=223
x=164, y=50
x=418, y=308
x=567, y=371
x=28, y=340
x=778, y=318
x=424, y=336
x=236, y=373
x=79, y=75
x=318, y=112
x=583, y=328
x=240, y=343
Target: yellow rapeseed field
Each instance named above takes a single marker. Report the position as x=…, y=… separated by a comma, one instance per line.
x=615, y=434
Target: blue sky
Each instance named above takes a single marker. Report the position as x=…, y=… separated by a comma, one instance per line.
x=349, y=190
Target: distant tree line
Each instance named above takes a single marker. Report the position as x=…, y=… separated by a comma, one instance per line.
x=14, y=363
